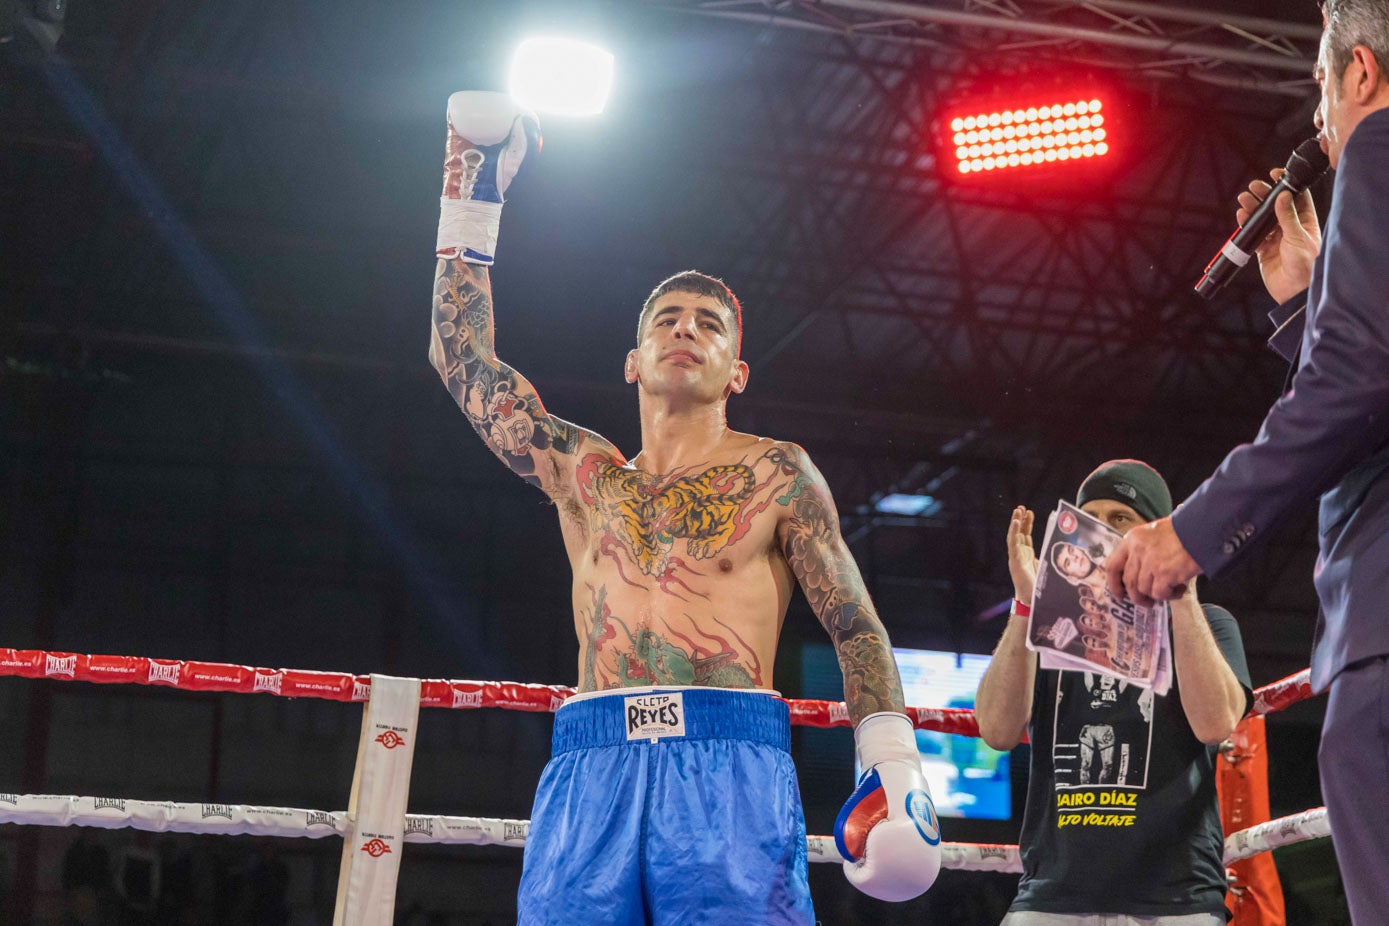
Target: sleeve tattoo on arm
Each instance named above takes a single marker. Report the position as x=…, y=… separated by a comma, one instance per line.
x=834, y=587
x=499, y=403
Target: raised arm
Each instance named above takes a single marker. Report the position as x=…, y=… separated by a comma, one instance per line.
x=487, y=140
x=1214, y=698
x=500, y=403
x=1003, y=704
x=812, y=544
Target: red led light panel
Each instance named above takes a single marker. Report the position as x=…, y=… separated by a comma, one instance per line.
x=1005, y=139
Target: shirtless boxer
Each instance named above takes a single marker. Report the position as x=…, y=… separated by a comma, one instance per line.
x=670, y=796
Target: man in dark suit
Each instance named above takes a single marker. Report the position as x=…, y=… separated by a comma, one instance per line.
x=1328, y=436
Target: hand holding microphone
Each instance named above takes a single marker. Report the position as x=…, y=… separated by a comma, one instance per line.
x=1288, y=251
x=1280, y=229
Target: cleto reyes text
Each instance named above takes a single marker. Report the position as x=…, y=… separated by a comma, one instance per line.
x=665, y=713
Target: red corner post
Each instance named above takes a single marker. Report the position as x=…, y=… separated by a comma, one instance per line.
x=1256, y=897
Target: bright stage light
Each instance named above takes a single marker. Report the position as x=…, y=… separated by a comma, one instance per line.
x=561, y=76
x=1067, y=130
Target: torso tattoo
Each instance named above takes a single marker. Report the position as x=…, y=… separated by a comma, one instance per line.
x=647, y=514
x=663, y=548
x=663, y=553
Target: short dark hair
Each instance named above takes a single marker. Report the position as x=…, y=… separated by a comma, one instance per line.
x=1056, y=558
x=701, y=284
x=1355, y=22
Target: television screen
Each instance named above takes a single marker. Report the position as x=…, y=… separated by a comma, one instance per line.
x=967, y=778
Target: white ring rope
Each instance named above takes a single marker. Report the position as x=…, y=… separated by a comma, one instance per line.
x=242, y=820
x=238, y=819
x=1300, y=827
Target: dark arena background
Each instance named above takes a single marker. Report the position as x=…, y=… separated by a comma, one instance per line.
x=221, y=440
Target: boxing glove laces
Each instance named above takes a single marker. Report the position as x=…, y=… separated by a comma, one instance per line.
x=489, y=135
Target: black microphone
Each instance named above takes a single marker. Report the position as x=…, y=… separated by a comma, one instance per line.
x=1307, y=164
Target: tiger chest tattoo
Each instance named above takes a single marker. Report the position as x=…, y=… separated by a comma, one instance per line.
x=644, y=515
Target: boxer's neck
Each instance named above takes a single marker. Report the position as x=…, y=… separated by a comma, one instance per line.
x=675, y=436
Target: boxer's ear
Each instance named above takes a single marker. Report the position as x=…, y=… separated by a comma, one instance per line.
x=739, y=381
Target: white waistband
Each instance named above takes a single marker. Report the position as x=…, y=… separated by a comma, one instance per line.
x=648, y=689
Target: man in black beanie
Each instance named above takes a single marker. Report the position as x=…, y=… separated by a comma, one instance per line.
x=1121, y=814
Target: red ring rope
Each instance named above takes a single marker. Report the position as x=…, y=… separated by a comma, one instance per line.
x=188, y=675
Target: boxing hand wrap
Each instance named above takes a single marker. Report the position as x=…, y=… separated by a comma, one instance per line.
x=489, y=135
x=888, y=831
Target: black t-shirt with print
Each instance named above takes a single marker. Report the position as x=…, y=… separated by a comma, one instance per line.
x=1121, y=808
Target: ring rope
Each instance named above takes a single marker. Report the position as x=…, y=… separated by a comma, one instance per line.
x=238, y=819
x=189, y=675
x=233, y=819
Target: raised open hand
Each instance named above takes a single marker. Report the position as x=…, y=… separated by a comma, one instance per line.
x=1022, y=558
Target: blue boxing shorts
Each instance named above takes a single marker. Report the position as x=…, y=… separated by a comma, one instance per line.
x=668, y=806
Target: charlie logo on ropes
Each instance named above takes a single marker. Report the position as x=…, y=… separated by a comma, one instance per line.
x=114, y=803
x=655, y=716
x=416, y=824
x=161, y=672
x=317, y=818
x=10, y=799
x=60, y=665
x=512, y=831
x=375, y=846
x=217, y=810
x=463, y=698
x=268, y=681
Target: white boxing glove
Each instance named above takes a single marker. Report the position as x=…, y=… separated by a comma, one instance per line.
x=888, y=831
x=489, y=135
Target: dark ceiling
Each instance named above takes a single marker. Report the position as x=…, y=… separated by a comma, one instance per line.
x=216, y=257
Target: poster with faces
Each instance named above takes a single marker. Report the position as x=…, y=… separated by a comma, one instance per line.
x=1077, y=624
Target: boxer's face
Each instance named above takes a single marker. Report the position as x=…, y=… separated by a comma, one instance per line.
x=1117, y=515
x=688, y=348
x=1072, y=561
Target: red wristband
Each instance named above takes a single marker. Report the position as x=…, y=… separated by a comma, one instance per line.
x=1020, y=609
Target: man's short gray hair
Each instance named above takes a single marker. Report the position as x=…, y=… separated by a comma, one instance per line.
x=1355, y=22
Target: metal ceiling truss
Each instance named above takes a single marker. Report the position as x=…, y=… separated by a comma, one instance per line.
x=1253, y=53
x=935, y=281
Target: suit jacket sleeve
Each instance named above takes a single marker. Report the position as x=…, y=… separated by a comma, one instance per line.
x=1337, y=412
